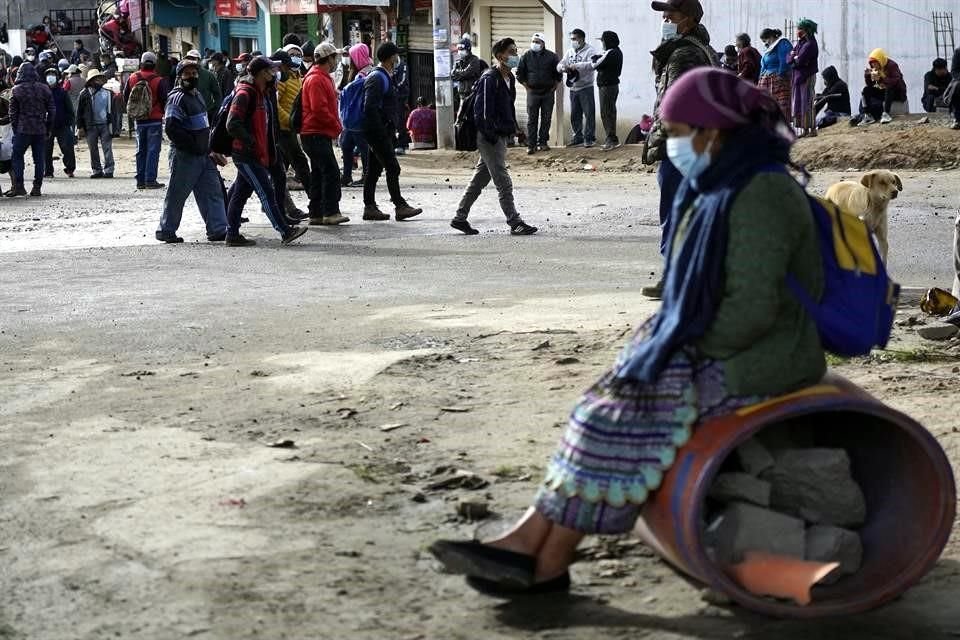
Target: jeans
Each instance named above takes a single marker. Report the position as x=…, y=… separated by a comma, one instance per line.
x=929, y=100
x=198, y=175
x=608, y=112
x=37, y=144
x=293, y=156
x=583, y=108
x=100, y=133
x=64, y=138
x=351, y=142
x=324, y=188
x=491, y=166
x=383, y=158
x=539, y=117
x=669, y=179
x=254, y=178
x=149, y=138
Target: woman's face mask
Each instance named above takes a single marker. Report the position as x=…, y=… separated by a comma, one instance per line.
x=296, y=62
x=685, y=158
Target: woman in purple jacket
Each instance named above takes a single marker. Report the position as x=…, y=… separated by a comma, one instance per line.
x=803, y=59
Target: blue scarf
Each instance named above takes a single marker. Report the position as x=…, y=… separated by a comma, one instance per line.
x=694, y=280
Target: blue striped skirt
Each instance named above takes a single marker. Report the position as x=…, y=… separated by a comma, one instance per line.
x=623, y=436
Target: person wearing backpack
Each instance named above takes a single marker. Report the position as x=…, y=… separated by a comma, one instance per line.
x=146, y=96
x=288, y=88
x=495, y=118
x=352, y=141
x=252, y=123
x=380, y=117
x=192, y=167
x=321, y=126
x=728, y=335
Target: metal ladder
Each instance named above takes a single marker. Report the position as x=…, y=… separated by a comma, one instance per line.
x=943, y=34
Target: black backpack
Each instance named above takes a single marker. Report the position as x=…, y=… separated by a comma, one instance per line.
x=220, y=140
x=465, y=129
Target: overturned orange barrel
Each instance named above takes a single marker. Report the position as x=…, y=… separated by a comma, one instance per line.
x=904, y=473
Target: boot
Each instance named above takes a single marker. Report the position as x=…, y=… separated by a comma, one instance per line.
x=35, y=192
x=405, y=212
x=372, y=212
x=16, y=190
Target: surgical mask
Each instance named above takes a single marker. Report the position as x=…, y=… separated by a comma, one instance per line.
x=684, y=157
x=513, y=62
x=238, y=67
x=31, y=58
x=51, y=80
x=576, y=44
x=669, y=31
x=537, y=47
x=296, y=62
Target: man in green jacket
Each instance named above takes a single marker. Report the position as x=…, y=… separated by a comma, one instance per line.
x=208, y=87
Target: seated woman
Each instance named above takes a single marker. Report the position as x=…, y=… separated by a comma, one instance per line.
x=729, y=334
x=422, y=125
x=884, y=86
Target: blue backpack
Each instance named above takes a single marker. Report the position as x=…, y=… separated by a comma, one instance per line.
x=351, y=101
x=859, y=300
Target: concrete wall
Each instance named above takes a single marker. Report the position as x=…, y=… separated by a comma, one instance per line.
x=908, y=39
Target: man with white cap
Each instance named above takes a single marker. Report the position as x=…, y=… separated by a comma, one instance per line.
x=208, y=86
x=146, y=85
x=539, y=75
x=93, y=123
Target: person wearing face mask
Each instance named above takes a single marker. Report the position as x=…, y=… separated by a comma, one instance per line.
x=728, y=335
x=748, y=59
x=193, y=169
x=32, y=114
x=149, y=128
x=495, y=117
x=775, y=69
x=209, y=86
x=240, y=65
x=609, y=66
x=466, y=71
x=538, y=73
x=288, y=88
x=252, y=123
x=62, y=130
x=685, y=46
x=93, y=123
x=581, y=76
x=220, y=71
x=381, y=109
x=321, y=126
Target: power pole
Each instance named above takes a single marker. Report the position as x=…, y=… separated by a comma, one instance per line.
x=442, y=59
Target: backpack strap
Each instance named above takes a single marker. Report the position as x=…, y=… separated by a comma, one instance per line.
x=386, y=78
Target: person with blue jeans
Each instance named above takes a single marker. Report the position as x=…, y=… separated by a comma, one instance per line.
x=192, y=168
x=581, y=79
x=32, y=113
x=149, y=128
x=61, y=132
x=252, y=123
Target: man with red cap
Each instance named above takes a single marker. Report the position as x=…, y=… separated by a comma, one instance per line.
x=685, y=45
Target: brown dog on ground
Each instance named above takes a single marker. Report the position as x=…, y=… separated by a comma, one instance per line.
x=869, y=200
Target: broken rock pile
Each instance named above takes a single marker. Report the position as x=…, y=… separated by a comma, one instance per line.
x=787, y=500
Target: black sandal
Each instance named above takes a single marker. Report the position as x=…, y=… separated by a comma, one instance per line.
x=472, y=558
x=496, y=589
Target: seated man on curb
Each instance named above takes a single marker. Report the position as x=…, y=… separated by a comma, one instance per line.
x=935, y=83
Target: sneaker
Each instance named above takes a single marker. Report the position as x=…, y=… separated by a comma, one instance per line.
x=866, y=121
x=169, y=238
x=244, y=220
x=405, y=212
x=69, y=174
x=400, y=151
x=293, y=234
x=99, y=174
x=372, y=212
x=543, y=147
x=886, y=119
x=220, y=237
x=140, y=187
x=16, y=191
x=956, y=125
x=294, y=185
x=110, y=175
x=610, y=146
x=345, y=181
x=531, y=151
x=292, y=222
x=357, y=183
x=239, y=241
x=655, y=292
x=522, y=229
x=35, y=192
x=575, y=144
x=329, y=220
x=154, y=185
x=588, y=145
x=463, y=226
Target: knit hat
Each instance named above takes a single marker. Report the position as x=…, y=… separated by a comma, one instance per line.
x=183, y=64
x=260, y=63
x=290, y=48
x=386, y=51
x=360, y=55
x=709, y=98
x=308, y=48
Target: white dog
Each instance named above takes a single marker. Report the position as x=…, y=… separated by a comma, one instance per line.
x=869, y=199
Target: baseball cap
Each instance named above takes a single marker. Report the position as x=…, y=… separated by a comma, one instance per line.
x=148, y=56
x=282, y=57
x=690, y=8
x=243, y=57
x=324, y=49
x=260, y=63
x=193, y=53
x=538, y=36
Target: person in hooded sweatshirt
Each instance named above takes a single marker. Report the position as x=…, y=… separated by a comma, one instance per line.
x=581, y=78
x=835, y=97
x=609, y=66
x=62, y=129
x=32, y=114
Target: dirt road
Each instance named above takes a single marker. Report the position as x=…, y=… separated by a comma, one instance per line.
x=202, y=442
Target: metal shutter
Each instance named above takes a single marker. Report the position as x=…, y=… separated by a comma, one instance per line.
x=421, y=31
x=518, y=23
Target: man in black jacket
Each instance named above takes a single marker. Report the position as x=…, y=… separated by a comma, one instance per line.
x=495, y=117
x=935, y=83
x=192, y=168
x=466, y=71
x=538, y=74
x=381, y=109
x=609, y=66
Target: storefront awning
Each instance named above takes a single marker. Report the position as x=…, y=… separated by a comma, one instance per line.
x=334, y=5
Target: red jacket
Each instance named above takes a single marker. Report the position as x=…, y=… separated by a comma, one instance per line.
x=159, y=88
x=319, y=102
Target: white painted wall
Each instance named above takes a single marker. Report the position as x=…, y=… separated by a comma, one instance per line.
x=908, y=40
